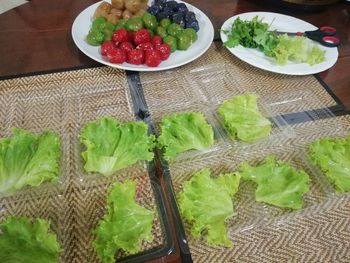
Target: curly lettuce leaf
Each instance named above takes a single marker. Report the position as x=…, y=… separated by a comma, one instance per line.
x=184, y=131
x=23, y=240
x=206, y=203
x=333, y=157
x=28, y=160
x=111, y=146
x=242, y=118
x=298, y=49
x=125, y=225
x=279, y=184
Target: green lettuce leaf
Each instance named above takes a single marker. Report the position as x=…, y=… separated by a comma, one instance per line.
x=206, y=203
x=125, y=225
x=298, y=49
x=333, y=157
x=184, y=131
x=278, y=183
x=28, y=160
x=111, y=146
x=242, y=118
x=23, y=240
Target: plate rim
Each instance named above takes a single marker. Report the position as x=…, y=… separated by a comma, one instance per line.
x=209, y=29
x=281, y=69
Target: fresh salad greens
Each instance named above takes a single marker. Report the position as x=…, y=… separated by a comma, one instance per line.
x=206, y=203
x=278, y=183
x=242, y=118
x=28, y=160
x=184, y=131
x=111, y=145
x=256, y=34
x=332, y=155
x=23, y=240
x=125, y=225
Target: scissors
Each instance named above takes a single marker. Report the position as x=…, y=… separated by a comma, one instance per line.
x=324, y=35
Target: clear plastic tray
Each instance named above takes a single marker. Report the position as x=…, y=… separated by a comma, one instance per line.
x=49, y=204
x=64, y=165
x=169, y=89
x=280, y=133
x=91, y=208
x=95, y=102
x=214, y=82
x=219, y=142
x=317, y=170
x=251, y=214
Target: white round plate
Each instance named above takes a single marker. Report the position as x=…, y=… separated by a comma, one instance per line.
x=282, y=23
x=83, y=22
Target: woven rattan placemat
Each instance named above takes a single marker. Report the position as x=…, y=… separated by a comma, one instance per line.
x=218, y=75
x=64, y=102
x=261, y=233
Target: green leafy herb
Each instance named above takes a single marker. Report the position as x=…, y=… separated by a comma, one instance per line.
x=333, y=157
x=125, y=225
x=256, y=34
x=23, y=240
x=28, y=160
x=185, y=131
x=278, y=183
x=206, y=203
x=242, y=118
x=111, y=145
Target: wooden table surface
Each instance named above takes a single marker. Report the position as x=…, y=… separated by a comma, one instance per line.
x=36, y=37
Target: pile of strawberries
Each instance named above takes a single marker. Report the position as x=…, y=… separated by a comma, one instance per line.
x=135, y=48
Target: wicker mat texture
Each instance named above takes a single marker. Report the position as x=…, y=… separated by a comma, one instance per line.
x=63, y=103
x=320, y=232
x=218, y=75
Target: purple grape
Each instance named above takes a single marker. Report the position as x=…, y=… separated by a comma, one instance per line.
x=193, y=24
x=153, y=10
x=181, y=7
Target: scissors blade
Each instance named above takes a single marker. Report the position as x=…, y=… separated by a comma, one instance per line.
x=289, y=33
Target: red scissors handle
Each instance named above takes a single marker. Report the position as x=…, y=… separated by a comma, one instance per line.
x=324, y=35
x=330, y=31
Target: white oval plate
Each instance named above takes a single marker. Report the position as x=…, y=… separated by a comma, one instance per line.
x=282, y=23
x=83, y=22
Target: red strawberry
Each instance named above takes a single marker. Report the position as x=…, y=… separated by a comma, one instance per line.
x=156, y=40
x=152, y=58
x=135, y=56
x=116, y=56
x=126, y=46
x=142, y=36
x=121, y=35
x=164, y=50
x=145, y=46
